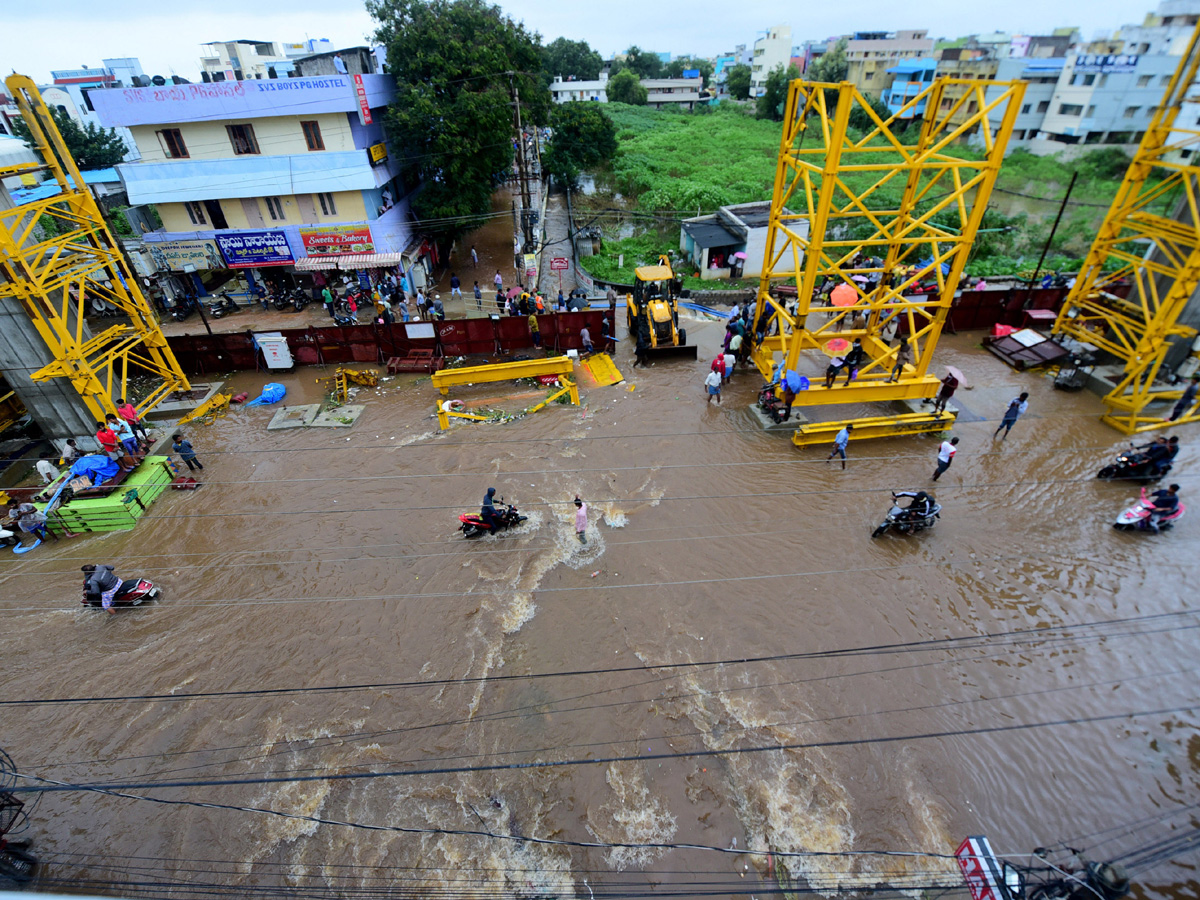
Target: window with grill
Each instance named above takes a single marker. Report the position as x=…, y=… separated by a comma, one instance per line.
x=274, y=208
x=1144, y=80
x=196, y=213
x=312, y=135
x=1131, y=111
x=172, y=143
x=327, y=207
x=242, y=139
x=1070, y=109
x=1043, y=106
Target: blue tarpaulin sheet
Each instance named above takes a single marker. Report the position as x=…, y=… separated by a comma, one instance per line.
x=97, y=468
x=272, y=393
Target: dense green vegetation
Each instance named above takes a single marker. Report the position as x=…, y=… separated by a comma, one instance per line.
x=680, y=164
x=90, y=146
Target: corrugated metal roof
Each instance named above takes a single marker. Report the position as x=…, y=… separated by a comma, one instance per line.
x=710, y=234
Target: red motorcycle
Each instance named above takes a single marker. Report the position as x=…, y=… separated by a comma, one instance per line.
x=132, y=592
x=505, y=517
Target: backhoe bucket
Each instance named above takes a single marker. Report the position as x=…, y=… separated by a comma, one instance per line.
x=669, y=352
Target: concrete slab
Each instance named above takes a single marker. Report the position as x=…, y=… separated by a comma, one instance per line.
x=769, y=424
x=339, y=417
x=960, y=413
x=294, y=416
x=176, y=406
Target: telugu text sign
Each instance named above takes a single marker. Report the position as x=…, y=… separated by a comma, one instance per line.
x=255, y=248
x=172, y=256
x=559, y=264
x=341, y=240
x=1110, y=64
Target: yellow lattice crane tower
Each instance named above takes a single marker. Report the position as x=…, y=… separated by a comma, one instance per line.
x=1154, y=251
x=876, y=215
x=52, y=279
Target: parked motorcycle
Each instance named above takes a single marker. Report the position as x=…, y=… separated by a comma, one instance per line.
x=300, y=299
x=506, y=517
x=281, y=301
x=922, y=513
x=1137, y=517
x=1133, y=465
x=132, y=592
x=183, y=308
x=16, y=862
x=223, y=306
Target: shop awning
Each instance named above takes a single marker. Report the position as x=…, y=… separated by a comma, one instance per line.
x=710, y=234
x=357, y=261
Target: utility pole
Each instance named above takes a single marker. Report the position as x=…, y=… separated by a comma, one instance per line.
x=528, y=215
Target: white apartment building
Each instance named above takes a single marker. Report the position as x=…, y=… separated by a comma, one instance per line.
x=660, y=92
x=772, y=50
x=245, y=60
x=1165, y=31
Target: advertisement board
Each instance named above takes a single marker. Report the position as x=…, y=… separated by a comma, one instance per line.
x=172, y=256
x=1111, y=64
x=255, y=248
x=337, y=240
x=364, y=106
x=378, y=153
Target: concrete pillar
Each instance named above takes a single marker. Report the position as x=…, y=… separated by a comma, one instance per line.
x=55, y=405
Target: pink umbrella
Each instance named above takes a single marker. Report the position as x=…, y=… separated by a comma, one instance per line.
x=739, y=255
x=957, y=373
x=834, y=346
x=843, y=295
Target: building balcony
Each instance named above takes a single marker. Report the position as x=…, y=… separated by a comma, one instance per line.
x=182, y=180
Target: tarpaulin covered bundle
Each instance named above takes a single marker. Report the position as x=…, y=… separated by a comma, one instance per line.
x=272, y=393
x=96, y=468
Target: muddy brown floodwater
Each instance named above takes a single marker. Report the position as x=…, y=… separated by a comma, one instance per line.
x=329, y=559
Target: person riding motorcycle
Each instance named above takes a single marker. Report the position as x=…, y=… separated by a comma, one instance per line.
x=488, y=511
x=1165, y=503
x=1157, y=453
x=100, y=583
x=921, y=506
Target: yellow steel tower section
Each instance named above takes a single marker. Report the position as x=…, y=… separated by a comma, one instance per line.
x=1150, y=240
x=53, y=278
x=876, y=215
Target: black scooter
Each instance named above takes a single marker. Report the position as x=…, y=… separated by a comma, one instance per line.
x=1132, y=465
x=223, y=306
x=183, y=308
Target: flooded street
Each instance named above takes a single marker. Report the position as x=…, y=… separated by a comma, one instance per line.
x=332, y=622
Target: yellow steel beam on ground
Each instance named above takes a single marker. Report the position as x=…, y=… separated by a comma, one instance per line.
x=53, y=279
x=877, y=214
x=875, y=427
x=444, y=379
x=209, y=411
x=1152, y=234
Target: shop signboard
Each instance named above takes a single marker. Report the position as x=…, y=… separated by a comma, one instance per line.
x=255, y=248
x=364, y=105
x=1106, y=64
x=378, y=153
x=172, y=256
x=337, y=240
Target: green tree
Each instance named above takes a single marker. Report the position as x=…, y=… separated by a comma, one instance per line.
x=676, y=67
x=625, y=87
x=91, y=147
x=571, y=59
x=771, y=102
x=455, y=63
x=642, y=63
x=831, y=67
x=737, y=82
x=860, y=119
x=583, y=137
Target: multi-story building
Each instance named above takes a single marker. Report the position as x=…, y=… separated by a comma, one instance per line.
x=572, y=89
x=244, y=60
x=964, y=64
x=869, y=54
x=1165, y=31
x=1043, y=46
x=772, y=50
x=909, y=78
x=283, y=175
x=1085, y=100
x=78, y=85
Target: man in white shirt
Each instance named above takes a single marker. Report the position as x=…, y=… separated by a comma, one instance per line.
x=46, y=470
x=945, y=456
x=339, y=64
x=712, y=386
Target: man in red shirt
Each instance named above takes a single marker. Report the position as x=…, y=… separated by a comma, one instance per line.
x=108, y=440
x=129, y=413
